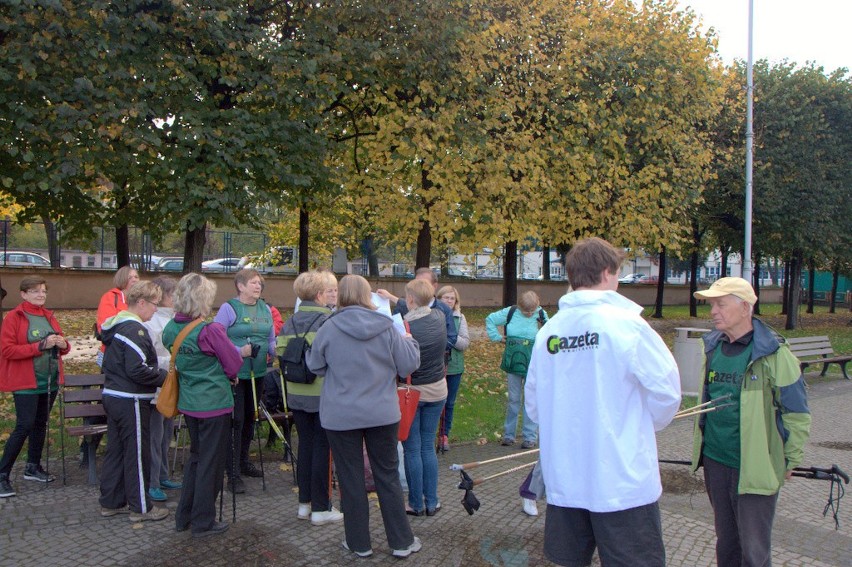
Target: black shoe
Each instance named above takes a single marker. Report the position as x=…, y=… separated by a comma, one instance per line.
x=411, y=512
x=433, y=511
x=216, y=529
x=251, y=471
x=33, y=471
x=236, y=485
x=507, y=442
x=6, y=489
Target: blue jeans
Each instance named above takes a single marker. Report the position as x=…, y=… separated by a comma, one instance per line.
x=421, y=462
x=530, y=428
x=453, y=383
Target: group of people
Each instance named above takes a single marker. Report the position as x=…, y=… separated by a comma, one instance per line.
x=598, y=383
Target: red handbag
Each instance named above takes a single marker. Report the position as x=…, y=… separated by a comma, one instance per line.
x=408, y=401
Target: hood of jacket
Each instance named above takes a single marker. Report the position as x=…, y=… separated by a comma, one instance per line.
x=110, y=326
x=764, y=339
x=578, y=298
x=359, y=322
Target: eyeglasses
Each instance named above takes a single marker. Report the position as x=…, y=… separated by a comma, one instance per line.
x=153, y=303
x=36, y=291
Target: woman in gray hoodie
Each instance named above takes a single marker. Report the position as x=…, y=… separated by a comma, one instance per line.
x=361, y=354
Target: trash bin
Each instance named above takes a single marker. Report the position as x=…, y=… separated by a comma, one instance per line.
x=687, y=352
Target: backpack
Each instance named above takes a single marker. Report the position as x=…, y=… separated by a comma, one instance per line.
x=292, y=361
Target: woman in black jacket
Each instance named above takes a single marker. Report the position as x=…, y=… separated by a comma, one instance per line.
x=428, y=327
x=131, y=379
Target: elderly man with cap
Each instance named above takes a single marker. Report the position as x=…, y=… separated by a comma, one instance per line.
x=750, y=447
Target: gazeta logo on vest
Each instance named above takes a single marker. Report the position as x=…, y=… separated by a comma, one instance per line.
x=578, y=342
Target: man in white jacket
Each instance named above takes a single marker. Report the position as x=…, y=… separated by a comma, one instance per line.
x=600, y=383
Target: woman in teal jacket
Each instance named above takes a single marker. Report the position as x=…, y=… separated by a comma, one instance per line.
x=520, y=324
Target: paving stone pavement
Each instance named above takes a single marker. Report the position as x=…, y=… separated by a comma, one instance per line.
x=60, y=525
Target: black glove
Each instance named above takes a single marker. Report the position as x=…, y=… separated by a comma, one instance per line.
x=255, y=350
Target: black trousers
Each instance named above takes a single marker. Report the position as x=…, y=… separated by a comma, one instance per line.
x=346, y=446
x=244, y=419
x=743, y=521
x=312, y=472
x=31, y=414
x=127, y=462
x=202, y=477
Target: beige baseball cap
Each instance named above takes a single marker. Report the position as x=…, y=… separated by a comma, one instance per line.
x=729, y=286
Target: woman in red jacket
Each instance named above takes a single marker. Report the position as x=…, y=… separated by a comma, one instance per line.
x=31, y=344
x=113, y=301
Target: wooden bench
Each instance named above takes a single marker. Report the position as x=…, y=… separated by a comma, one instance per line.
x=81, y=398
x=817, y=350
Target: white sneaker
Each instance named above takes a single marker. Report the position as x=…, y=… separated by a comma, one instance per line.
x=413, y=548
x=305, y=511
x=530, y=507
x=320, y=518
x=367, y=553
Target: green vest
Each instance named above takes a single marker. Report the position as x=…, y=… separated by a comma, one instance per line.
x=456, y=364
x=253, y=324
x=44, y=366
x=722, y=427
x=203, y=384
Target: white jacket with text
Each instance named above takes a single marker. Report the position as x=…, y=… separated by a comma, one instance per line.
x=600, y=383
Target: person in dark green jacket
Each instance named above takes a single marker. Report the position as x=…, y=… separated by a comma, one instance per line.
x=248, y=320
x=207, y=361
x=747, y=449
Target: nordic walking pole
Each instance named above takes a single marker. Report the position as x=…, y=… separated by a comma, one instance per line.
x=53, y=361
x=466, y=466
x=702, y=410
x=716, y=400
x=257, y=425
x=478, y=481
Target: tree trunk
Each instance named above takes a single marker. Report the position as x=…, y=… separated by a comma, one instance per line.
x=811, y=281
x=795, y=291
x=424, y=246
x=545, y=263
x=372, y=259
x=122, y=245
x=835, y=276
x=52, y=241
x=510, y=274
x=304, y=233
x=193, y=248
x=785, y=288
x=693, y=284
x=661, y=280
x=724, y=250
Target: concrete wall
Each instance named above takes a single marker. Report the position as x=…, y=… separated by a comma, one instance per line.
x=82, y=289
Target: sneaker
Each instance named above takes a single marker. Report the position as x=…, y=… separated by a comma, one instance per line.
x=171, y=484
x=6, y=489
x=236, y=485
x=320, y=518
x=367, y=553
x=109, y=512
x=445, y=443
x=33, y=471
x=251, y=471
x=304, y=511
x=530, y=507
x=528, y=445
x=155, y=514
x=413, y=548
x=216, y=529
x=507, y=441
x=157, y=495
x=433, y=511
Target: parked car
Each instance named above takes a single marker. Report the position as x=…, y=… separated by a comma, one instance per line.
x=276, y=260
x=170, y=264
x=221, y=265
x=648, y=280
x=630, y=278
x=23, y=259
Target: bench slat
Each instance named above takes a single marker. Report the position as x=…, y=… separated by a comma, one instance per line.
x=814, y=352
x=77, y=396
x=84, y=380
x=79, y=430
x=84, y=410
x=800, y=340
